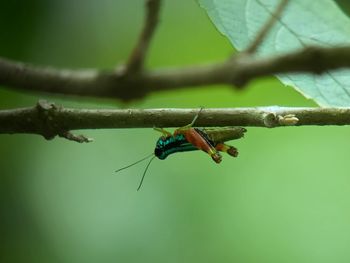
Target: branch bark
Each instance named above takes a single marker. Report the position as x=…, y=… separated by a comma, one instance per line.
x=137, y=58
x=267, y=27
x=113, y=84
x=49, y=120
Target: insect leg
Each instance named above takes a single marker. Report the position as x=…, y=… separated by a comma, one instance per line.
x=222, y=147
x=208, y=148
x=193, y=121
x=201, y=142
x=163, y=131
x=215, y=155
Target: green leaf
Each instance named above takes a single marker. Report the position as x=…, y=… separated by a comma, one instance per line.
x=303, y=22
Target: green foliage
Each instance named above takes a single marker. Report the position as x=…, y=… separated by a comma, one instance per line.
x=285, y=199
x=303, y=23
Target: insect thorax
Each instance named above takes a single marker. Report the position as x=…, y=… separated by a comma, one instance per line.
x=172, y=144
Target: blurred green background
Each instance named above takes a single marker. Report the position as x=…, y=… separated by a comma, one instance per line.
x=285, y=199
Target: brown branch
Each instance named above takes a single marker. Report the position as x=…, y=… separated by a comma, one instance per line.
x=267, y=27
x=50, y=120
x=136, y=60
x=237, y=71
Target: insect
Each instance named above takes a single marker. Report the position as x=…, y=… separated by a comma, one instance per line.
x=189, y=138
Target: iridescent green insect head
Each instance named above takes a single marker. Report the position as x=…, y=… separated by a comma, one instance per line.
x=187, y=138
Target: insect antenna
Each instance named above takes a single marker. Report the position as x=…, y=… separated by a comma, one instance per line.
x=144, y=173
x=125, y=167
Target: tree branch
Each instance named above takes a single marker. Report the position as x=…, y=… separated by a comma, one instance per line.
x=267, y=27
x=237, y=71
x=134, y=82
x=50, y=120
x=136, y=60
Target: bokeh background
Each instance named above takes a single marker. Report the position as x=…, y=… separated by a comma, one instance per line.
x=285, y=199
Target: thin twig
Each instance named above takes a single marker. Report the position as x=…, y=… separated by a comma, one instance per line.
x=73, y=137
x=237, y=71
x=267, y=27
x=51, y=121
x=137, y=58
